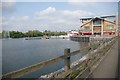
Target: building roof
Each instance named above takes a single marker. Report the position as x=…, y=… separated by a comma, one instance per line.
x=94, y=19
x=85, y=18
x=108, y=16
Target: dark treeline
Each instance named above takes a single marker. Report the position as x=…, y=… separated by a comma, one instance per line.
x=30, y=33
x=0, y=35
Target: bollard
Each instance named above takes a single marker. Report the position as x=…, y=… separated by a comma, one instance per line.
x=67, y=59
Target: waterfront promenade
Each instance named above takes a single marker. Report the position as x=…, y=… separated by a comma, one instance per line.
x=101, y=62
x=108, y=67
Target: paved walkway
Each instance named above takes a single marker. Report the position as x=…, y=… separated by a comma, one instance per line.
x=118, y=71
x=108, y=66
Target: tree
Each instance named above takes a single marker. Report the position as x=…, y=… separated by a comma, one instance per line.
x=16, y=34
x=30, y=33
x=0, y=35
x=34, y=33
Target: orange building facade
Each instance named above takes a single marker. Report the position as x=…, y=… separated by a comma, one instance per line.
x=98, y=26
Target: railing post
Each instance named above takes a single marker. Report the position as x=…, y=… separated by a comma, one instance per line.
x=67, y=59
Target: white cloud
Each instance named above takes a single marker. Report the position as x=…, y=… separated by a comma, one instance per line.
x=47, y=19
x=19, y=18
x=61, y=14
x=77, y=13
x=47, y=11
x=25, y=18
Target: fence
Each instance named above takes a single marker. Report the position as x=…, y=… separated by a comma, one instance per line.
x=93, y=48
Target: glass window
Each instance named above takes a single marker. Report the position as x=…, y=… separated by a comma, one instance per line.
x=86, y=28
x=109, y=26
x=97, y=22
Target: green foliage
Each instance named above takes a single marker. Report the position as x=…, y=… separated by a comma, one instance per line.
x=0, y=35
x=49, y=33
x=30, y=33
x=16, y=34
x=74, y=75
x=34, y=33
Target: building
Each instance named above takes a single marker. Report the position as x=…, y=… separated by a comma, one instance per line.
x=102, y=26
x=74, y=33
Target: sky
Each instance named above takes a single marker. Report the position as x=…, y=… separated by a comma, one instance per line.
x=53, y=16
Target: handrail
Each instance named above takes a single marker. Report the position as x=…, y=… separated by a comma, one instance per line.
x=35, y=67
x=81, y=67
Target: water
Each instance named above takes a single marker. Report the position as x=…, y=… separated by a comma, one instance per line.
x=0, y=57
x=20, y=53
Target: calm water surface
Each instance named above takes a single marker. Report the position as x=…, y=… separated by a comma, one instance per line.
x=0, y=57
x=20, y=53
